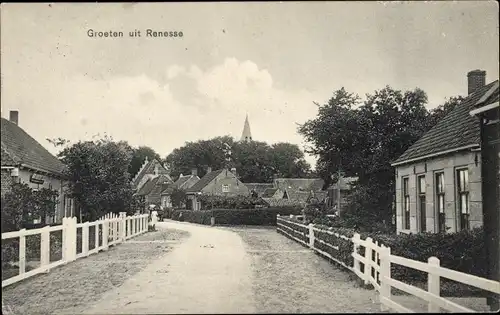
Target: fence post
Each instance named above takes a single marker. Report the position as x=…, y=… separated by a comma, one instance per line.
x=73, y=237
x=105, y=234
x=96, y=247
x=65, y=234
x=115, y=229
x=85, y=239
x=368, y=259
x=433, y=282
x=129, y=226
x=356, y=240
x=311, y=235
x=385, y=275
x=133, y=225
x=45, y=247
x=123, y=232
x=22, y=252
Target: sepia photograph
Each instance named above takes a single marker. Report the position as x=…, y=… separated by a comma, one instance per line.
x=250, y=157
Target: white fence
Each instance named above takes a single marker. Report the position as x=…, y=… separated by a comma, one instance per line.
x=109, y=230
x=377, y=262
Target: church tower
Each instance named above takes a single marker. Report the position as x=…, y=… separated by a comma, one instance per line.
x=246, y=135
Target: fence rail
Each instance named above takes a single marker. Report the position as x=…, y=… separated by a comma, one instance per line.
x=376, y=262
x=109, y=230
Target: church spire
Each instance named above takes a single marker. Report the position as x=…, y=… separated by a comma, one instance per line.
x=246, y=135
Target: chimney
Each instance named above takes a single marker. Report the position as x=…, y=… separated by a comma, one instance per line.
x=476, y=79
x=194, y=171
x=14, y=116
x=233, y=170
x=209, y=169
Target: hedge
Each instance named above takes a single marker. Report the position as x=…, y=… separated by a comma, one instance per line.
x=290, y=228
x=463, y=251
x=262, y=216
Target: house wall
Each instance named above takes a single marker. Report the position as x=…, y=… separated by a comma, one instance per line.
x=50, y=183
x=449, y=165
x=236, y=187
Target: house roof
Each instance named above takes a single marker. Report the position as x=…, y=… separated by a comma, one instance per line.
x=154, y=185
x=273, y=202
x=148, y=168
x=204, y=181
x=298, y=195
x=181, y=181
x=456, y=130
x=260, y=188
x=18, y=148
x=305, y=184
x=269, y=192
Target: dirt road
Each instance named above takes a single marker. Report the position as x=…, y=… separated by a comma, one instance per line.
x=242, y=270
x=186, y=269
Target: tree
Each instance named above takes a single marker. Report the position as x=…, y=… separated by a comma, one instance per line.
x=252, y=160
x=200, y=155
x=98, y=176
x=362, y=139
x=178, y=198
x=288, y=160
x=139, y=155
x=255, y=161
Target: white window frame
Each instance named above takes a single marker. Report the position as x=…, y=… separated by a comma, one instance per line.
x=225, y=188
x=463, y=192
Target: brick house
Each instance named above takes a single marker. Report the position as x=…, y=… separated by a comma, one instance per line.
x=184, y=182
x=487, y=112
x=438, y=179
x=222, y=182
x=25, y=160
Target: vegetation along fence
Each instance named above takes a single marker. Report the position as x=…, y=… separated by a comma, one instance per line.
x=58, y=245
x=374, y=266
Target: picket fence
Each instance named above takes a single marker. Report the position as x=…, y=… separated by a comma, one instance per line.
x=377, y=262
x=112, y=228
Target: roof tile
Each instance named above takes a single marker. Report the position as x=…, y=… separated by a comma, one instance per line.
x=455, y=130
x=18, y=147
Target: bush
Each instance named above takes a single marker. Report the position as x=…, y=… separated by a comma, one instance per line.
x=462, y=251
x=200, y=217
x=230, y=202
x=263, y=216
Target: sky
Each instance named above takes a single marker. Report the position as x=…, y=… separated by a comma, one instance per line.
x=268, y=60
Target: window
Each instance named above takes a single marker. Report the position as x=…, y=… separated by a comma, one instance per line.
x=421, y=202
x=463, y=197
x=406, y=204
x=225, y=188
x=440, y=201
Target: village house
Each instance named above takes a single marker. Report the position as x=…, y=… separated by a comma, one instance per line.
x=258, y=189
x=149, y=182
x=222, y=182
x=184, y=182
x=274, y=193
x=24, y=160
x=487, y=111
x=438, y=179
